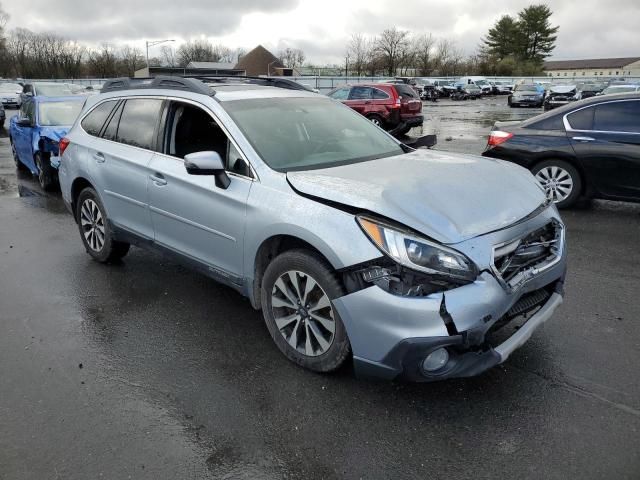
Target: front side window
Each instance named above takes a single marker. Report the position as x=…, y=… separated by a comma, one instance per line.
x=58, y=113
x=618, y=117
x=191, y=129
x=341, y=94
x=138, y=122
x=309, y=133
x=93, y=122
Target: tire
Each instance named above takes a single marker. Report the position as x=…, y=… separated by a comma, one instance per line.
x=91, y=216
x=301, y=266
x=19, y=165
x=561, y=181
x=376, y=120
x=47, y=176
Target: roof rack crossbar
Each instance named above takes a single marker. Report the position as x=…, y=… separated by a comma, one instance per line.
x=164, y=82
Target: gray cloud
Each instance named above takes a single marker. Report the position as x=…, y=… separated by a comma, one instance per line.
x=591, y=28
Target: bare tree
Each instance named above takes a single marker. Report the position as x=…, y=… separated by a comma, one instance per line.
x=390, y=45
x=423, y=47
x=358, y=50
x=292, y=57
x=102, y=62
x=168, y=56
x=130, y=59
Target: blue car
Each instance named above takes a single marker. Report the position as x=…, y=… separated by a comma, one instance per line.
x=36, y=131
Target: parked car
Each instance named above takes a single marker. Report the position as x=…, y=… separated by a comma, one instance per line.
x=588, y=90
x=10, y=94
x=394, y=107
x=36, y=131
x=3, y=116
x=466, y=91
x=445, y=87
x=526, y=95
x=409, y=262
x=626, y=88
x=559, y=95
x=481, y=82
x=590, y=148
x=46, y=89
x=502, y=88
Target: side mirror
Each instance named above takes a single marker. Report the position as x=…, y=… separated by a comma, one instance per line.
x=207, y=163
x=24, y=121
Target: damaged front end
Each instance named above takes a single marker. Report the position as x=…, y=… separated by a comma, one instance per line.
x=425, y=311
x=47, y=141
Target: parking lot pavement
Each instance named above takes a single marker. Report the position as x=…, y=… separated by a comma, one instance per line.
x=148, y=370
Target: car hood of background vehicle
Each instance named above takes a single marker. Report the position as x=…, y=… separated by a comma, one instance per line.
x=446, y=196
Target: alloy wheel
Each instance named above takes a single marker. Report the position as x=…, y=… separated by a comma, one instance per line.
x=303, y=313
x=92, y=224
x=40, y=170
x=556, y=181
x=375, y=121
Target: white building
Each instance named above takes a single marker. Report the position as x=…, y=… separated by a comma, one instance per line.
x=594, y=67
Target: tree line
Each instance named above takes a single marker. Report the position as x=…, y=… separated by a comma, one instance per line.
x=513, y=46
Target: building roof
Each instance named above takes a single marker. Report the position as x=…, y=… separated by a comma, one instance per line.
x=212, y=65
x=259, y=61
x=589, y=63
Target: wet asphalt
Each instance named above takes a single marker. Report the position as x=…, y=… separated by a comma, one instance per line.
x=146, y=370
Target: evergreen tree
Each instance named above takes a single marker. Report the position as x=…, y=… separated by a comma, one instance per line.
x=536, y=36
x=502, y=38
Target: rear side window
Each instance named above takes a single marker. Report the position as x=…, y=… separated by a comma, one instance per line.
x=618, y=117
x=138, y=122
x=406, y=91
x=379, y=94
x=111, y=131
x=92, y=123
x=360, y=93
x=582, y=119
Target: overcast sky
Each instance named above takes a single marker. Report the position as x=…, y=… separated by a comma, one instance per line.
x=588, y=29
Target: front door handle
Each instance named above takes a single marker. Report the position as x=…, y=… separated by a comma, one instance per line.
x=98, y=157
x=584, y=139
x=158, y=179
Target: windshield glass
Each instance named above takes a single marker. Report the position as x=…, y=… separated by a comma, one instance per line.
x=58, y=113
x=619, y=89
x=53, y=89
x=10, y=88
x=527, y=88
x=482, y=82
x=309, y=133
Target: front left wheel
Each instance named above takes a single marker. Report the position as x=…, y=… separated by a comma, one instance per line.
x=298, y=288
x=95, y=229
x=47, y=177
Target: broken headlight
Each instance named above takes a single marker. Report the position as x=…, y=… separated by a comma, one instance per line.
x=417, y=253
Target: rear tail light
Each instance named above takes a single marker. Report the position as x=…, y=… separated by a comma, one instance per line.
x=398, y=103
x=62, y=146
x=497, y=137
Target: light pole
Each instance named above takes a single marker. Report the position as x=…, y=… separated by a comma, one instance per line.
x=152, y=43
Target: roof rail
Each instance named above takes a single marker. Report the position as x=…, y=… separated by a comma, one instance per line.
x=164, y=81
x=278, y=82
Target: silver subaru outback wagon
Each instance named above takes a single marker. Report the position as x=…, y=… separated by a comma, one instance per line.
x=417, y=264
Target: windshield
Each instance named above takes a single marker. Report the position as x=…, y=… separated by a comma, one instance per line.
x=53, y=89
x=58, y=113
x=526, y=88
x=10, y=88
x=481, y=82
x=620, y=89
x=309, y=133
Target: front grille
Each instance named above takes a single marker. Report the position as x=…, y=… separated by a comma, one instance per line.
x=517, y=261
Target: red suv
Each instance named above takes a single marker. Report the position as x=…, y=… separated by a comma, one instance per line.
x=396, y=108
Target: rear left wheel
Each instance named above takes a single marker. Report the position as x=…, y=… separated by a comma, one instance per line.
x=297, y=292
x=95, y=229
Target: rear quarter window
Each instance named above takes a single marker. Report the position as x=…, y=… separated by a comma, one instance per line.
x=406, y=91
x=582, y=119
x=551, y=123
x=93, y=123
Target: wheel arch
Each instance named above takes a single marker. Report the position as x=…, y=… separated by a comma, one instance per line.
x=78, y=185
x=269, y=249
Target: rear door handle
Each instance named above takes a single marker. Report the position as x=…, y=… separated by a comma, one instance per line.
x=158, y=179
x=584, y=139
x=98, y=157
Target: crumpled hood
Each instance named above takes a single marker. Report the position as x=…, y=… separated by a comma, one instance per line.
x=562, y=89
x=446, y=196
x=54, y=133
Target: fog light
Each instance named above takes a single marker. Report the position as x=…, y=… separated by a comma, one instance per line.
x=435, y=360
